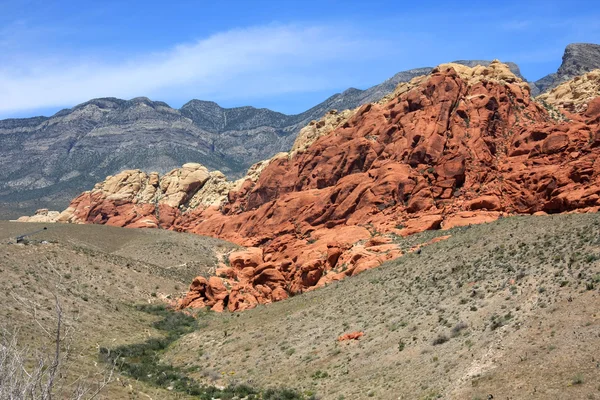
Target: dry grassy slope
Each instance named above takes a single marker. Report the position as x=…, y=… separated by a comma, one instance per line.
x=101, y=272
x=515, y=303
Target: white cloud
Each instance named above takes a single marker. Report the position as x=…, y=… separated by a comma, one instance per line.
x=251, y=62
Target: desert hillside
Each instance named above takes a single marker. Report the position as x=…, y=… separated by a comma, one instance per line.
x=301, y=200
x=102, y=276
x=507, y=309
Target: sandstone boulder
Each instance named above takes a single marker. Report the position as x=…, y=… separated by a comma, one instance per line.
x=41, y=215
x=179, y=184
x=351, y=336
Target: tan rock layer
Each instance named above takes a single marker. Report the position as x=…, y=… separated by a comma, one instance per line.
x=316, y=129
x=41, y=215
x=574, y=95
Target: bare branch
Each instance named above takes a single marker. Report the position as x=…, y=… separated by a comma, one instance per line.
x=28, y=374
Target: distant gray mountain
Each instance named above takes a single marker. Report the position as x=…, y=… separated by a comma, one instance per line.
x=45, y=161
x=578, y=59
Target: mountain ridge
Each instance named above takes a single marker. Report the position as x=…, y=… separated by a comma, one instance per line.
x=577, y=59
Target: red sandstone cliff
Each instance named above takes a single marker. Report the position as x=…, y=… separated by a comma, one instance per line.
x=462, y=145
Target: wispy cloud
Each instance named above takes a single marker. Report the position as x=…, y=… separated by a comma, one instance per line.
x=247, y=63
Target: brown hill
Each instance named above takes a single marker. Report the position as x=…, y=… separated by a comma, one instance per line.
x=101, y=276
x=460, y=146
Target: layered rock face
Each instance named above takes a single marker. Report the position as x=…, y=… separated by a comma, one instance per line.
x=136, y=199
x=460, y=146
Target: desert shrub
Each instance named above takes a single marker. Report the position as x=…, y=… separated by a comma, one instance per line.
x=289, y=352
x=577, y=379
x=441, y=339
x=281, y=394
x=320, y=374
x=500, y=321
x=141, y=361
x=401, y=345
x=496, y=323
x=458, y=328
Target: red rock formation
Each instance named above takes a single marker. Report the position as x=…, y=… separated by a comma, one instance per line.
x=462, y=146
x=351, y=336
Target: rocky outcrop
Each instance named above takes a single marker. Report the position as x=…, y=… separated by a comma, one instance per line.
x=458, y=147
x=41, y=215
x=213, y=192
x=334, y=118
x=177, y=185
x=316, y=129
x=578, y=59
x=45, y=161
x=147, y=199
x=351, y=336
x=574, y=95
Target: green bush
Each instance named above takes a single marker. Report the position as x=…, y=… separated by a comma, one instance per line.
x=141, y=361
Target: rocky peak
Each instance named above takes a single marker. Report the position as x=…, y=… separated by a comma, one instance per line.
x=514, y=68
x=351, y=92
x=99, y=104
x=478, y=71
x=206, y=114
x=108, y=103
x=242, y=118
x=496, y=72
x=577, y=59
x=211, y=117
x=144, y=101
x=7, y=125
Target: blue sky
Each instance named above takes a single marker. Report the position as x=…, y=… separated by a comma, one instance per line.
x=284, y=55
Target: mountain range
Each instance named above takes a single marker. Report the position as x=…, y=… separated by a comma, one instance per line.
x=45, y=161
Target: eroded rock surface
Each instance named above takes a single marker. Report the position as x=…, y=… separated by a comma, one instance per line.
x=459, y=146
x=45, y=161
